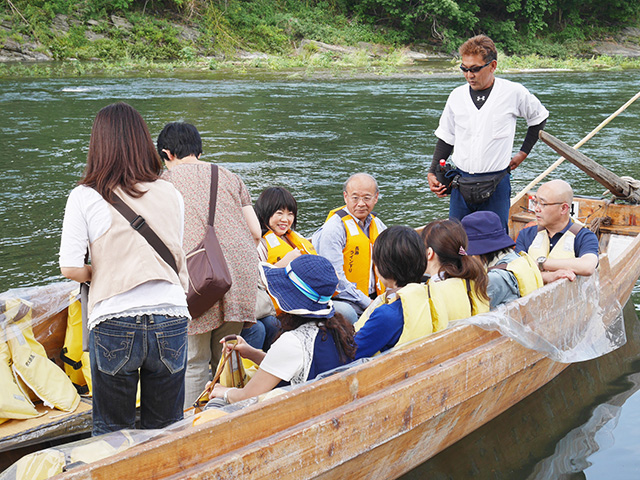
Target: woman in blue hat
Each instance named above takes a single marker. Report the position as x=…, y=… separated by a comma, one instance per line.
x=511, y=275
x=315, y=338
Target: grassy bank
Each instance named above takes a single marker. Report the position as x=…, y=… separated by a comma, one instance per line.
x=298, y=38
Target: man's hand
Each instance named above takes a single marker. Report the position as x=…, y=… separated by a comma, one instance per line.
x=435, y=186
x=517, y=159
x=549, y=277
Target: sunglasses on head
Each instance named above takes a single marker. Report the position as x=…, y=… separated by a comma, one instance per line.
x=474, y=69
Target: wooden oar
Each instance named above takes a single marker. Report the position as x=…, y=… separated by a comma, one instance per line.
x=553, y=166
x=198, y=403
x=616, y=185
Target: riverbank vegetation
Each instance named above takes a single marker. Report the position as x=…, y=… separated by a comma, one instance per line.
x=374, y=36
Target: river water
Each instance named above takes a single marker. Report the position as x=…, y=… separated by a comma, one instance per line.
x=307, y=135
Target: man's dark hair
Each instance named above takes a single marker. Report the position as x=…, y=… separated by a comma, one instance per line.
x=480, y=45
x=399, y=254
x=181, y=139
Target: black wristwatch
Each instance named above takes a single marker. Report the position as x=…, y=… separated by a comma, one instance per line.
x=540, y=261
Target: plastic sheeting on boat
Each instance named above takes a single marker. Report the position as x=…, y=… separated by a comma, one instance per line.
x=33, y=373
x=538, y=321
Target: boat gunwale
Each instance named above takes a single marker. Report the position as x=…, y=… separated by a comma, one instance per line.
x=620, y=270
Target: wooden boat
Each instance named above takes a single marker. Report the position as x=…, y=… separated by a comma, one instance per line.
x=521, y=440
x=384, y=417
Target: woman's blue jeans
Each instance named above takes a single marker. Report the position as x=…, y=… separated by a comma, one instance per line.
x=151, y=348
x=261, y=334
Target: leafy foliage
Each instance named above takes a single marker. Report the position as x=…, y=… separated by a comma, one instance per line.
x=545, y=27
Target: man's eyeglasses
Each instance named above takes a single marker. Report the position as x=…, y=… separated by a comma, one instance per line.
x=365, y=199
x=475, y=69
x=535, y=203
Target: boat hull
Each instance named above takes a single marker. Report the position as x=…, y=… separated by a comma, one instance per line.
x=382, y=418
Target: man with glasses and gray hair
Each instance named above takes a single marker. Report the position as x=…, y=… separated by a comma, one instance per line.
x=346, y=240
x=561, y=248
x=478, y=125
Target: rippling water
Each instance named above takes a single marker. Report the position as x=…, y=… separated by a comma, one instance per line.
x=306, y=135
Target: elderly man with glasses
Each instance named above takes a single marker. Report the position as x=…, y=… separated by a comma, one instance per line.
x=478, y=125
x=346, y=240
x=562, y=248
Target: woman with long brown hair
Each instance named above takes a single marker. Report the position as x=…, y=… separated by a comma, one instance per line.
x=460, y=279
x=137, y=309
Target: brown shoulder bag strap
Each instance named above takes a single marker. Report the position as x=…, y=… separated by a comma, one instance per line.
x=213, y=197
x=140, y=225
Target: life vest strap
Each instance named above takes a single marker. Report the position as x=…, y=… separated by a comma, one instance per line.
x=75, y=365
x=468, y=283
x=574, y=228
x=82, y=389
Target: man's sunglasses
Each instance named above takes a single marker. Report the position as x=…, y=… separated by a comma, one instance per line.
x=474, y=69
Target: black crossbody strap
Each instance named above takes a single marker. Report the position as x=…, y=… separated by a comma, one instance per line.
x=214, y=193
x=140, y=225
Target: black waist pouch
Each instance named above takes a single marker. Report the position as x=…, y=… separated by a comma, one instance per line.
x=476, y=190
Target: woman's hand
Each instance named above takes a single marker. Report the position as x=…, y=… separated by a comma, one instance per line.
x=217, y=391
x=241, y=346
x=289, y=257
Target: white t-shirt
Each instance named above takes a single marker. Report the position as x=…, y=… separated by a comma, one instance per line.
x=483, y=139
x=290, y=356
x=87, y=216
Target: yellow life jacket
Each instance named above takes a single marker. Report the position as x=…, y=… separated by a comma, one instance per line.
x=277, y=247
x=459, y=296
x=526, y=271
x=13, y=403
x=236, y=371
x=418, y=312
x=76, y=362
x=563, y=249
x=358, y=266
x=43, y=464
x=31, y=364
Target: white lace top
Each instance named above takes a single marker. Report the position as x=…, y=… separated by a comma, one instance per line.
x=289, y=358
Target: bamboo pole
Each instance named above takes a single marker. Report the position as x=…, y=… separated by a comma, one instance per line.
x=555, y=165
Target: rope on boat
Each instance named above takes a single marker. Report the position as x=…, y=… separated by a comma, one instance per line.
x=539, y=178
x=634, y=185
x=601, y=221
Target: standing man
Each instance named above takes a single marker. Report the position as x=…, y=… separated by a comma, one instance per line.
x=346, y=240
x=480, y=122
x=561, y=248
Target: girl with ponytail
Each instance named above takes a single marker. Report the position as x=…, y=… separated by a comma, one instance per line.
x=453, y=273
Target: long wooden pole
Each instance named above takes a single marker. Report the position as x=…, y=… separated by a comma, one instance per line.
x=553, y=166
x=616, y=185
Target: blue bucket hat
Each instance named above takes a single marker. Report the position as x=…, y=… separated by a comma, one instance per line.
x=485, y=232
x=304, y=287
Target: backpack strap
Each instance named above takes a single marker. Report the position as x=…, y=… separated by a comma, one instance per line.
x=501, y=266
x=575, y=228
